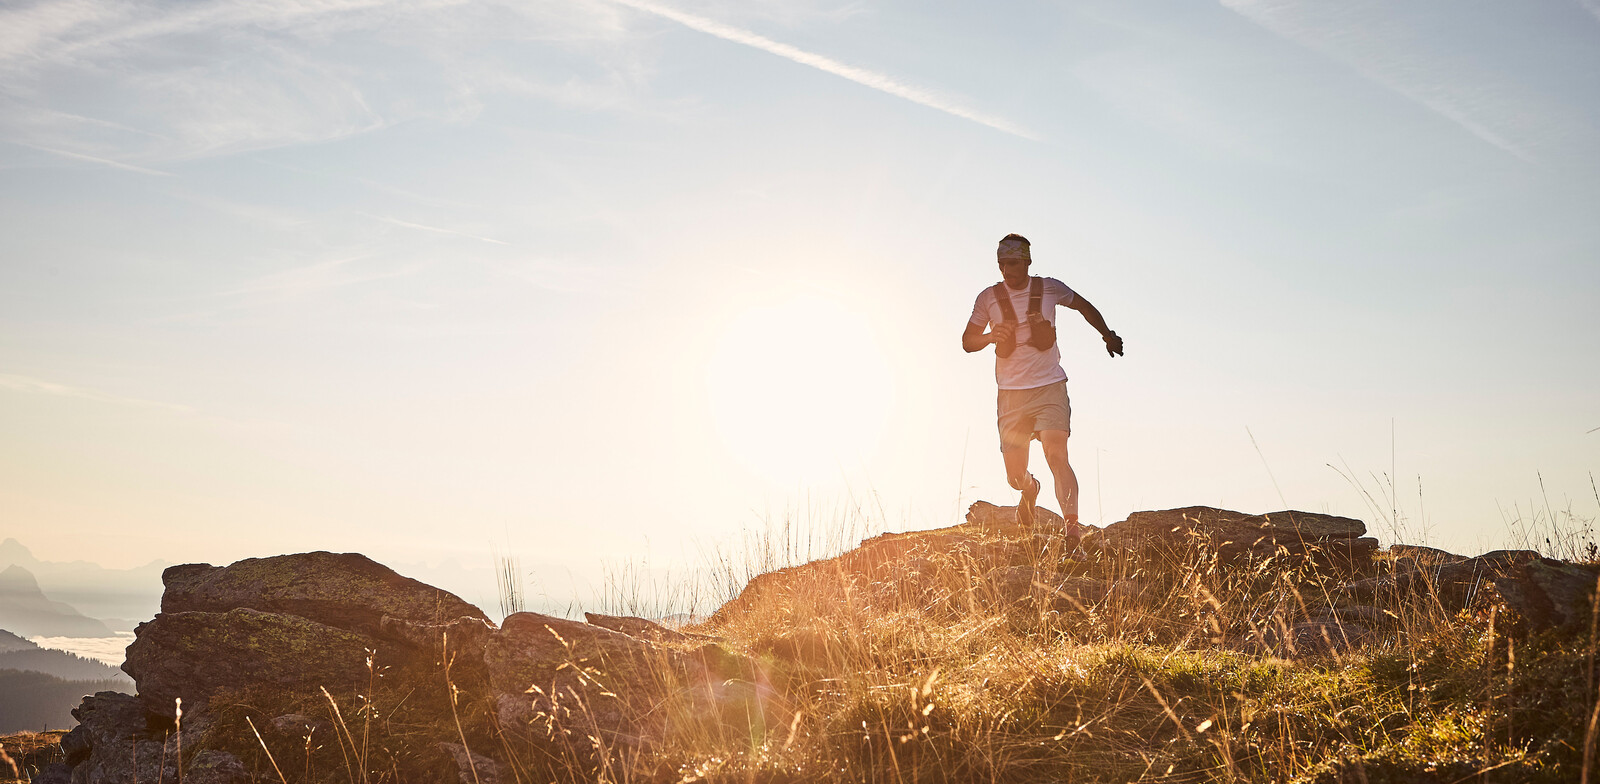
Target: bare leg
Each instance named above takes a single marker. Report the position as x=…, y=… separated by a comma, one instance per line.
x=1016, y=466
x=1055, y=453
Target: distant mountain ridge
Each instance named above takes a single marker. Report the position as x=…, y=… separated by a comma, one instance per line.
x=36, y=700
x=26, y=611
x=96, y=591
x=60, y=664
x=10, y=642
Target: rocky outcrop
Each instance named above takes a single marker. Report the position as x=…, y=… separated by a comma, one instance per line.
x=115, y=741
x=194, y=655
x=1000, y=518
x=540, y=663
x=1542, y=592
x=210, y=766
x=275, y=655
x=1337, y=542
x=304, y=632
x=342, y=590
x=645, y=629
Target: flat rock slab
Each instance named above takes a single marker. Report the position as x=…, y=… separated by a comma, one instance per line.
x=645, y=629
x=193, y=655
x=1222, y=525
x=1424, y=556
x=343, y=590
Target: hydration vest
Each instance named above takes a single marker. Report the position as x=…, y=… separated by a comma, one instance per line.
x=1041, y=333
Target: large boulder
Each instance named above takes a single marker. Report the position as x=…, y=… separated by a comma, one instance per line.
x=116, y=742
x=1224, y=526
x=1542, y=592
x=1546, y=592
x=343, y=590
x=543, y=665
x=1336, y=541
x=1000, y=518
x=194, y=655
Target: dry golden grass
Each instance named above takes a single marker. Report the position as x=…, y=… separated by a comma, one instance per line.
x=26, y=753
x=968, y=655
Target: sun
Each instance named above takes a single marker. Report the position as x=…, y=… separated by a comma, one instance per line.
x=800, y=389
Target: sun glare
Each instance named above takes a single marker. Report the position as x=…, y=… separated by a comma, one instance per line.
x=800, y=389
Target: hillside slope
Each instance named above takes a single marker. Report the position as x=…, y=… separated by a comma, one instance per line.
x=1191, y=644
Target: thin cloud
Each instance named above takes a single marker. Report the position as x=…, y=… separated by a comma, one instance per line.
x=39, y=386
x=311, y=278
x=1447, y=79
x=861, y=76
x=93, y=159
x=437, y=230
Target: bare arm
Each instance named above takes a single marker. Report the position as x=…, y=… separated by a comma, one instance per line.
x=973, y=338
x=1092, y=315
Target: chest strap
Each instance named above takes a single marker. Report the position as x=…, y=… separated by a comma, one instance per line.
x=1041, y=333
x=1002, y=298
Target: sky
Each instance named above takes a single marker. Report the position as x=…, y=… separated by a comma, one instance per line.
x=607, y=285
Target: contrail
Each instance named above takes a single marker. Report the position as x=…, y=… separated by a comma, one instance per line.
x=861, y=76
x=437, y=230
x=92, y=159
x=28, y=384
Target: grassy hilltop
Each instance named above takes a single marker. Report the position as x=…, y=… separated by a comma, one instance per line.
x=990, y=653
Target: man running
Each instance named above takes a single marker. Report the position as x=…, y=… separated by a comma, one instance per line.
x=1033, y=387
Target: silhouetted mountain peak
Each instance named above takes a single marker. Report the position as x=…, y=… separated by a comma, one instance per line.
x=16, y=581
x=26, y=610
x=13, y=551
x=11, y=642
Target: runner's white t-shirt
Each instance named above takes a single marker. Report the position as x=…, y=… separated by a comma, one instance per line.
x=1027, y=367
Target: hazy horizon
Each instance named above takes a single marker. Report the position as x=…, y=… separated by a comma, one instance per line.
x=613, y=281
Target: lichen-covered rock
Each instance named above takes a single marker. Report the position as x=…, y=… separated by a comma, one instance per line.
x=210, y=766
x=474, y=767
x=645, y=629
x=1424, y=556
x=54, y=773
x=193, y=655
x=297, y=727
x=1546, y=592
x=343, y=590
x=462, y=634
x=1542, y=592
x=1336, y=544
x=116, y=742
x=1223, y=527
x=540, y=664
x=988, y=516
